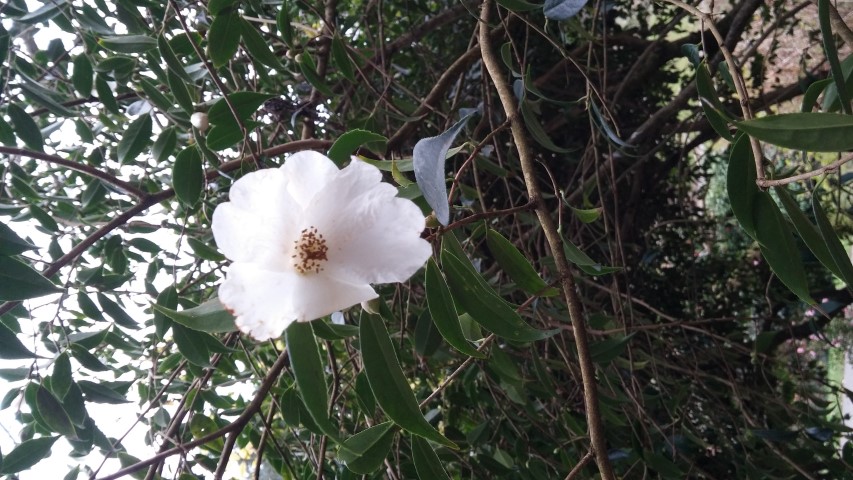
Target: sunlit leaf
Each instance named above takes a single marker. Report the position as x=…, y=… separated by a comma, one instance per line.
x=26, y=454
x=810, y=131
x=349, y=142
x=52, y=413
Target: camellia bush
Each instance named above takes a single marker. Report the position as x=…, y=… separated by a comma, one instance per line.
x=424, y=239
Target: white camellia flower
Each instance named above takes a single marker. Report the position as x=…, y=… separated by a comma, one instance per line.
x=308, y=239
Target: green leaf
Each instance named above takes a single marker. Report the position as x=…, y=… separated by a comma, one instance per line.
x=19, y=282
x=740, y=183
x=135, y=139
x=808, y=231
x=205, y=250
x=310, y=378
x=223, y=38
x=607, y=350
x=582, y=260
x=105, y=95
x=155, y=97
x=517, y=266
x=188, y=176
x=191, y=345
x=349, y=142
x=587, y=215
x=173, y=64
x=218, y=7
x=245, y=103
x=518, y=6
x=181, y=91
x=117, y=313
x=25, y=127
x=390, y=387
x=531, y=121
x=60, y=378
x=833, y=244
x=331, y=331
x=83, y=76
x=11, y=243
x=35, y=92
x=427, y=463
x=778, y=247
x=258, y=47
x=101, y=393
x=342, y=60
x=87, y=359
x=813, y=92
x=711, y=104
x=443, y=312
x=282, y=20
x=810, y=131
x=129, y=43
x=164, y=145
x=368, y=448
x=309, y=71
x=52, y=413
x=26, y=455
x=10, y=347
x=823, y=8
x=211, y=317
x=470, y=291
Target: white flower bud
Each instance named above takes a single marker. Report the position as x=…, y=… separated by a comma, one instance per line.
x=199, y=121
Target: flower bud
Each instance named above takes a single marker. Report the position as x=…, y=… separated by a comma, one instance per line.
x=432, y=221
x=199, y=121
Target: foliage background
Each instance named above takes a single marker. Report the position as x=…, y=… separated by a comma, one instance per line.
x=700, y=356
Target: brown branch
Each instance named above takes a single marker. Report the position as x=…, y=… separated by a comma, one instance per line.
x=805, y=176
x=549, y=228
x=76, y=166
x=235, y=426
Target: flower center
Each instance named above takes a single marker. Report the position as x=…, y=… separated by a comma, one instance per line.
x=310, y=251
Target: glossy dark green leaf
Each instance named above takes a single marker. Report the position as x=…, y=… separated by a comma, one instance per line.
x=368, y=448
x=25, y=128
x=605, y=351
x=191, y=345
x=282, y=21
x=310, y=378
x=129, y=43
x=223, y=38
x=188, y=176
x=349, y=142
x=7, y=133
x=88, y=360
x=582, y=260
x=245, y=103
x=60, y=377
x=165, y=144
x=173, y=64
x=10, y=347
x=83, y=76
x=389, y=385
x=443, y=312
x=531, y=121
x=105, y=95
x=833, y=244
x=180, y=90
x=427, y=463
x=11, y=243
x=27, y=454
x=211, y=317
x=740, y=183
x=135, y=139
x=810, y=131
x=19, y=282
x=331, y=331
x=116, y=312
x=831, y=51
x=813, y=92
x=778, y=247
x=218, y=7
x=101, y=393
x=711, y=104
x=517, y=266
x=341, y=57
x=309, y=71
x=428, y=158
x=154, y=95
x=52, y=413
x=807, y=231
x=258, y=47
x=205, y=250
x=40, y=95
x=471, y=292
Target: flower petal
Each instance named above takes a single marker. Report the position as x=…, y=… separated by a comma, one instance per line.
x=307, y=173
x=265, y=302
x=373, y=236
x=255, y=225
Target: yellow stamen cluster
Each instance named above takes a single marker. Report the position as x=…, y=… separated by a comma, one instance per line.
x=310, y=251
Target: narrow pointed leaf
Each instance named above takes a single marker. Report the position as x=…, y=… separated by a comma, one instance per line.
x=428, y=159
x=258, y=47
x=778, y=247
x=531, y=121
x=25, y=127
x=11, y=243
x=582, y=260
x=810, y=131
x=52, y=413
x=10, y=347
x=129, y=43
x=807, y=231
x=342, y=60
x=389, y=385
x=443, y=312
x=116, y=312
x=223, y=38
x=368, y=448
x=517, y=266
x=740, y=183
x=60, y=378
x=833, y=244
x=172, y=62
x=211, y=317
x=310, y=378
x=83, y=77
x=711, y=105
x=19, y=282
x=135, y=139
x=309, y=71
x=427, y=463
x=27, y=454
x=193, y=348
x=245, y=103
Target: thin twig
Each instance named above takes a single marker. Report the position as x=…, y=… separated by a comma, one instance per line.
x=519, y=135
x=805, y=176
x=577, y=469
